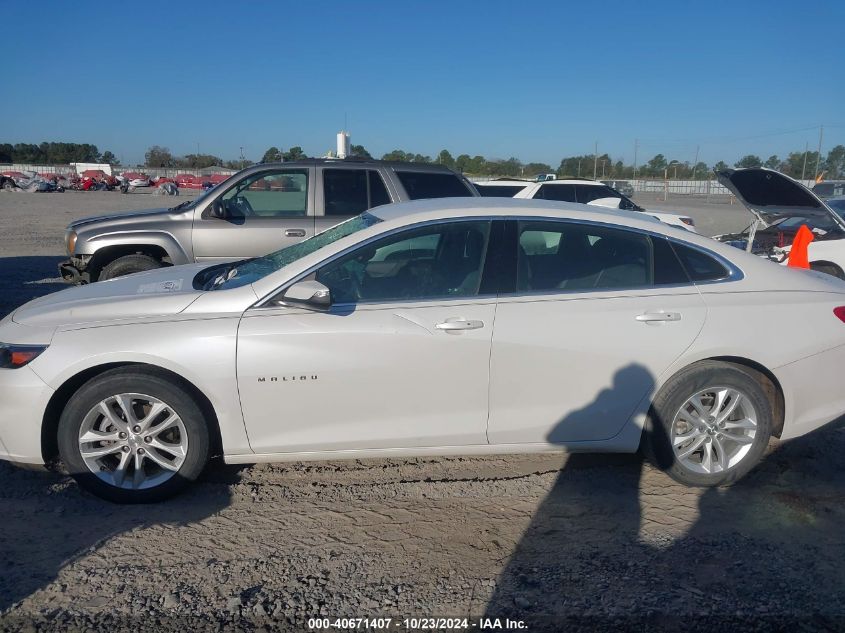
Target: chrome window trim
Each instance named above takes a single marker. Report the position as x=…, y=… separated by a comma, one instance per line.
x=262, y=303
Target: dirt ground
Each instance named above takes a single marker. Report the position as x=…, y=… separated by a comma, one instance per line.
x=579, y=543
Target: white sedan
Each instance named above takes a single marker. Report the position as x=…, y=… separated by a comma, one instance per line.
x=450, y=326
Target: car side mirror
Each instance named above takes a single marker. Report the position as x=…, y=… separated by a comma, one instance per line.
x=308, y=294
x=218, y=210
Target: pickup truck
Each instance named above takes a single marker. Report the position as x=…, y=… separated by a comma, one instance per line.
x=256, y=211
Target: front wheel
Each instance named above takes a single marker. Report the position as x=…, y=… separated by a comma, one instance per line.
x=709, y=425
x=133, y=437
x=128, y=264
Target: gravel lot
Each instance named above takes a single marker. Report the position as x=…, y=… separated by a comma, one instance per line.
x=577, y=543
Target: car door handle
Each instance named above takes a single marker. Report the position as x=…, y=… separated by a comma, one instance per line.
x=294, y=232
x=451, y=325
x=659, y=317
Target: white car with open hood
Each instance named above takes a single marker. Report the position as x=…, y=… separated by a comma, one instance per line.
x=780, y=206
x=437, y=327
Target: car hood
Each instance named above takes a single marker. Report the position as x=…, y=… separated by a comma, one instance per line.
x=770, y=195
x=162, y=292
x=119, y=216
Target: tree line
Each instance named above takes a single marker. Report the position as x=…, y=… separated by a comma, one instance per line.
x=54, y=153
x=798, y=164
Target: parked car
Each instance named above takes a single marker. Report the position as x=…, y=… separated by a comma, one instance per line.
x=377, y=337
x=255, y=211
x=622, y=186
x=780, y=205
x=545, y=177
x=829, y=189
x=596, y=193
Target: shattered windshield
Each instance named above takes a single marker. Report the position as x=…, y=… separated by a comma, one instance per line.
x=248, y=271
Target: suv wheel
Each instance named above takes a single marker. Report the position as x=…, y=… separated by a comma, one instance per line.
x=127, y=265
x=133, y=437
x=709, y=425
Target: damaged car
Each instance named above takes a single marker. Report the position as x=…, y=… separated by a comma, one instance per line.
x=780, y=206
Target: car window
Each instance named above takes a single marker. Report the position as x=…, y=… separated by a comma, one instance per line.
x=588, y=193
x=563, y=193
x=699, y=265
x=282, y=193
x=564, y=256
x=352, y=191
x=421, y=185
x=499, y=191
x=442, y=260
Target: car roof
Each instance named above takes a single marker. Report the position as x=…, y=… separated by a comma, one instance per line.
x=437, y=208
x=356, y=161
x=503, y=182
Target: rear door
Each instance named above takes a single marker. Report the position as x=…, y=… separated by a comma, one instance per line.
x=266, y=211
x=596, y=315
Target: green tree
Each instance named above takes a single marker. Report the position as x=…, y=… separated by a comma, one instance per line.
x=445, y=159
x=272, y=155
x=397, y=155
x=720, y=166
x=750, y=160
x=835, y=162
x=158, y=156
x=656, y=165
x=360, y=151
x=701, y=171
x=109, y=158
x=294, y=153
x=800, y=164
x=461, y=162
x=772, y=162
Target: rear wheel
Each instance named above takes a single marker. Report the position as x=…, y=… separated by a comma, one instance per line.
x=127, y=265
x=709, y=425
x=133, y=437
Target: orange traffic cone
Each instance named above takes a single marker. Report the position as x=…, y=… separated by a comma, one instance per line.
x=798, y=257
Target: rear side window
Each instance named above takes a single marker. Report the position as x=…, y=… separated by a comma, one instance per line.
x=667, y=267
x=588, y=193
x=563, y=193
x=699, y=265
x=422, y=185
x=352, y=191
x=499, y=191
x=564, y=256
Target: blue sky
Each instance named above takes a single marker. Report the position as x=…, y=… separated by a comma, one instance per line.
x=536, y=81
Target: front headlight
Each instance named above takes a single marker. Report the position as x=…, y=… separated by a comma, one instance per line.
x=71, y=242
x=14, y=356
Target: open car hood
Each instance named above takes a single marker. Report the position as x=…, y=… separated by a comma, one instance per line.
x=770, y=195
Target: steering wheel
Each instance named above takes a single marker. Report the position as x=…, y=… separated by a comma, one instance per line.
x=241, y=206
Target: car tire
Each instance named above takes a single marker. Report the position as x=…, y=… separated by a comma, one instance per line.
x=828, y=269
x=8, y=185
x=174, y=434
x=688, y=435
x=127, y=265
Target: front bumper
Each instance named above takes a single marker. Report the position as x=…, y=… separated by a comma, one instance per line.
x=813, y=391
x=23, y=400
x=75, y=270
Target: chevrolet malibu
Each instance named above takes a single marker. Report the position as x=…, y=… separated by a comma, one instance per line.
x=438, y=327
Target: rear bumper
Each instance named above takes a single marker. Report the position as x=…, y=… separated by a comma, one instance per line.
x=813, y=392
x=23, y=400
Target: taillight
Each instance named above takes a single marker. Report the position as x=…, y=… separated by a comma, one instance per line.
x=840, y=313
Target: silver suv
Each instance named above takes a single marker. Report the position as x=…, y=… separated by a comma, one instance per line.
x=258, y=210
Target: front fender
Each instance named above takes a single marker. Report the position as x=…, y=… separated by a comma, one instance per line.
x=157, y=239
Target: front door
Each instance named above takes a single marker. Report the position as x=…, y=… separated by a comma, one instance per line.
x=598, y=315
x=265, y=211
x=400, y=360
